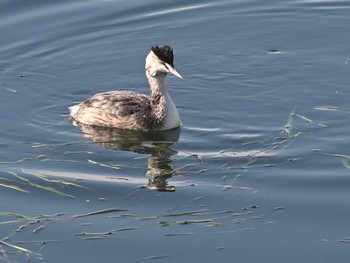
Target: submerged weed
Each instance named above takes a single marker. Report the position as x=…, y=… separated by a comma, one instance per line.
x=25, y=181
x=8, y=247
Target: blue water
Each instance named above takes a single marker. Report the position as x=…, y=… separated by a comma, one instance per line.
x=258, y=172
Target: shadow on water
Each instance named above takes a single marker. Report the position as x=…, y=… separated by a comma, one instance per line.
x=156, y=144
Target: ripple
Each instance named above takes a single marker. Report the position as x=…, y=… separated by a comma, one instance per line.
x=178, y=9
x=326, y=4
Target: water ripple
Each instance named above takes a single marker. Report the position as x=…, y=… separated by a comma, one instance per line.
x=178, y=9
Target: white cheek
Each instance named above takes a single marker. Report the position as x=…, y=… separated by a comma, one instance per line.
x=157, y=71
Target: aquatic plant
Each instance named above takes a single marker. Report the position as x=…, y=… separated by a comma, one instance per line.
x=22, y=179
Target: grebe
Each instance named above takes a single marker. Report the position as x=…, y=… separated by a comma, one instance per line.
x=133, y=111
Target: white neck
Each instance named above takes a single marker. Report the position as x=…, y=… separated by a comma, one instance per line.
x=162, y=105
x=172, y=118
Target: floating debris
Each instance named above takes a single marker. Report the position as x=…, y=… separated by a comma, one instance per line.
x=177, y=234
x=104, y=165
x=208, y=222
x=274, y=51
x=186, y=213
x=12, y=90
x=345, y=240
x=40, y=186
x=279, y=208
x=111, y=210
x=101, y=235
x=346, y=164
x=85, y=224
x=249, y=207
x=89, y=236
x=164, y=223
x=327, y=108
x=21, y=249
x=124, y=229
x=14, y=187
x=155, y=257
x=36, y=230
x=123, y=216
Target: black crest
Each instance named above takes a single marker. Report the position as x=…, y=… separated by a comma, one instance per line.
x=165, y=53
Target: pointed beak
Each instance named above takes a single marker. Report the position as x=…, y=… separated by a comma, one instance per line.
x=173, y=70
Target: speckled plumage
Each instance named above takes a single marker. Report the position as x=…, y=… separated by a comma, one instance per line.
x=117, y=109
x=131, y=110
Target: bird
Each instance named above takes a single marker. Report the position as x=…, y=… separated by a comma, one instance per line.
x=129, y=110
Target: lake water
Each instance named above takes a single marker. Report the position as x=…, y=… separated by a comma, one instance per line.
x=258, y=173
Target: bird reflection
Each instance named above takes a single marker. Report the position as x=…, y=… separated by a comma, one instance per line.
x=156, y=144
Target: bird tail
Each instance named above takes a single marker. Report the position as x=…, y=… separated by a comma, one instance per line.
x=73, y=110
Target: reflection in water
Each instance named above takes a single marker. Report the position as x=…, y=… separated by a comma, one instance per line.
x=157, y=144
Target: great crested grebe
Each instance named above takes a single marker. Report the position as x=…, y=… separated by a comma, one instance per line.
x=133, y=111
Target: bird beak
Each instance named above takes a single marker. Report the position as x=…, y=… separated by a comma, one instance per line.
x=173, y=70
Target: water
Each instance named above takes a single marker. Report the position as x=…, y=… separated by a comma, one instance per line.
x=230, y=185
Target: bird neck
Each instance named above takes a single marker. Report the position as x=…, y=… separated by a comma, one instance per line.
x=163, y=108
x=159, y=96
x=157, y=84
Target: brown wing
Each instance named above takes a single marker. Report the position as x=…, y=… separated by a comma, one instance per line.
x=116, y=109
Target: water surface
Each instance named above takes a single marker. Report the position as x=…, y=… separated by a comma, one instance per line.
x=258, y=172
